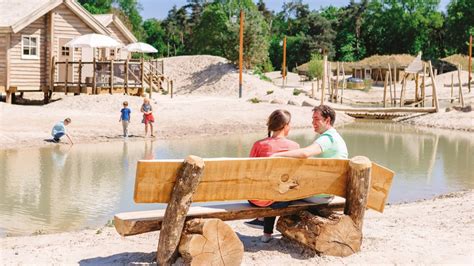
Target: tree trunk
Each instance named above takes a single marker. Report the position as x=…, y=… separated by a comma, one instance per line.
x=210, y=242
x=181, y=197
x=328, y=234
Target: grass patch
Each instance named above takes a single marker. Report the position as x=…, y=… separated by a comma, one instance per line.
x=297, y=92
x=269, y=92
x=254, y=100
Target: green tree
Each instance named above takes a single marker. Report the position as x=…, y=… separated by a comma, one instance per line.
x=402, y=26
x=97, y=6
x=315, y=67
x=459, y=24
x=131, y=10
x=155, y=35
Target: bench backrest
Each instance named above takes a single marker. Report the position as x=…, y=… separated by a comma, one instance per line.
x=279, y=179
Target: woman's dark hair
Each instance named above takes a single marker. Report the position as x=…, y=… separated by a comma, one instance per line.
x=278, y=120
x=326, y=112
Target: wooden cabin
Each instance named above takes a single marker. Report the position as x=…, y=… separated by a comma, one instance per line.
x=33, y=55
x=375, y=67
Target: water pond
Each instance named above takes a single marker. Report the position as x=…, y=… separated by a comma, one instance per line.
x=61, y=188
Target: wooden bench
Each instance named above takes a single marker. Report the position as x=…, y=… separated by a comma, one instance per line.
x=198, y=233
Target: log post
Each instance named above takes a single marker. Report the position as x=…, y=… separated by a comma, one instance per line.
x=142, y=76
x=433, y=86
x=423, y=86
x=126, y=76
x=417, y=93
x=323, y=81
x=357, y=190
x=390, y=83
x=171, y=83
x=343, y=81
x=461, y=98
x=80, y=75
x=111, y=76
x=181, y=197
x=312, y=89
x=67, y=76
x=337, y=82
x=452, y=87
x=94, y=81
x=327, y=233
x=210, y=242
x=385, y=90
x=402, y=92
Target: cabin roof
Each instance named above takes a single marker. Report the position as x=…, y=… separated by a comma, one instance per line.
x=457, y=59
x=107, y=19
x=18, y=14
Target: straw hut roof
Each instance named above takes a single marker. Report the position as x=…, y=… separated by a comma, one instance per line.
x=382, y=61
x=457, y=59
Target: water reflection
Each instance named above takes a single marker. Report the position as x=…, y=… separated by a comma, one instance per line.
x=61, y=188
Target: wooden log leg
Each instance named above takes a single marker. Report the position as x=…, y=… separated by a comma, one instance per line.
x=358, y=189
x=181, y=197
x=8, y=97
x=327, y=233
x=210, y=242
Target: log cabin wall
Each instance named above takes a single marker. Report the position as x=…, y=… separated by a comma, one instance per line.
x=29, y=72
x=3, y=61
x=68, y=25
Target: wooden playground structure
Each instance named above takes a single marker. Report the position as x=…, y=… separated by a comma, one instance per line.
x=395, y=101
x=129, y=76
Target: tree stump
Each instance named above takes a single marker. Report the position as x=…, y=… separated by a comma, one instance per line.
x=210, y=242
x=181, y=197
x=328, y=234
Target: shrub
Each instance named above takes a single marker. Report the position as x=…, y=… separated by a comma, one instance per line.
x=315, y=67
x=254, y=100
x=297, y=92
x=269, y=92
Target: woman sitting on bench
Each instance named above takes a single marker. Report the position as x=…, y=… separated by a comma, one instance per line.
x=278, y=125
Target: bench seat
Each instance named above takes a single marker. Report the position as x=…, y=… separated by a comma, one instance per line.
x=133, y=223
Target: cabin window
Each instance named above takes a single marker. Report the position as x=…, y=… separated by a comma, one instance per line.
x=65, y=51
x=30, y=47
x=112, y=52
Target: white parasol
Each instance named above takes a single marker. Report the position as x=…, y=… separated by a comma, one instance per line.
x=141, y=47
x=93, y=40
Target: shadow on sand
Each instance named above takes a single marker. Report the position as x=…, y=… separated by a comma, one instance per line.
x=126, y=258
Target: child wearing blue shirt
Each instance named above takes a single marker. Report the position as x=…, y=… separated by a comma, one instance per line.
x=125, y=118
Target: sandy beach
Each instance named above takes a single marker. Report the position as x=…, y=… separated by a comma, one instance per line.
x=435, y=231
x=432, y=231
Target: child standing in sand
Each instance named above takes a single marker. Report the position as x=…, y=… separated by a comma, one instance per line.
x=125, y=118
x=148, y=118
x=278, y=125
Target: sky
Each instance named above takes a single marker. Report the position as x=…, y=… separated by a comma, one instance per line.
x=159, y=8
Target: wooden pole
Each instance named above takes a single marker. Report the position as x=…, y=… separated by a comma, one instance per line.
x=312, y=89
x=385, y=90
x=402, y=92
x=142, y=76
x=186, y=184
x=461, y=98
x=417, y=94
x=337, y=82
x=343, y=81
x=390, y=83
x=433, y=84
x=452, y=87
x=171, y=83
x=357, y=189
x=423, y=88
x=67, y=76
x=80, y=75
x=111, y=76
x=241, y=50
x=323, y=82
x=470, y=64
x=394, y=81
x=94, y=81
x=150, y=79
x=126, y=76
x=284, y=61
x=53, y=72
x=329, y=82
